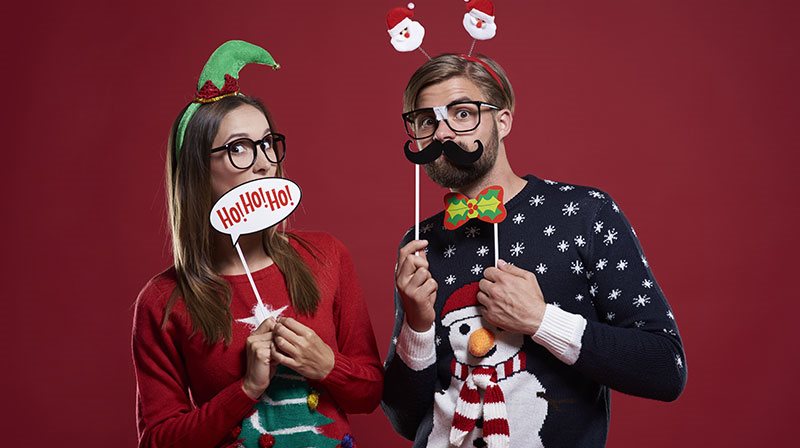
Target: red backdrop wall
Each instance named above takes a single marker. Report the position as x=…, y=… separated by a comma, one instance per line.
x=685, y=111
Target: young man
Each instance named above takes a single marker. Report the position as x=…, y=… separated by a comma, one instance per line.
x=523, y=354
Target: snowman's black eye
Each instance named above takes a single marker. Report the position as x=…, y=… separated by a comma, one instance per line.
x=464, y=328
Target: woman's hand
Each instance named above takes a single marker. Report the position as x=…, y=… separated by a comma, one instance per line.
x=259, y=356
x=299, y=348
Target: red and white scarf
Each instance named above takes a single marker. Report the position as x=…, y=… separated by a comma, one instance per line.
x=493, y=409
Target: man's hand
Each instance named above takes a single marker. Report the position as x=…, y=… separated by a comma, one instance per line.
x=416, y=286
x=512, y=298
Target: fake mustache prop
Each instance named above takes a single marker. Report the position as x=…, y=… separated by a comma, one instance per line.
x=450, y=149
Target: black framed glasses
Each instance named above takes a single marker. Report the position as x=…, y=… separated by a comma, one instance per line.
x=242, y=151
x=459, y=116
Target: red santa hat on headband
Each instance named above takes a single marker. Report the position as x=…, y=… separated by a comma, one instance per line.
x=406, y=34
x=479, y=19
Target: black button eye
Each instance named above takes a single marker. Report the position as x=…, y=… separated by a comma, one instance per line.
x=464, y=328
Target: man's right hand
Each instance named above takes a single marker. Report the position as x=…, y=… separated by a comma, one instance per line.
x=416, y=286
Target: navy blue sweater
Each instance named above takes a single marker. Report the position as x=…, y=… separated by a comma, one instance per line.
x=588, y=261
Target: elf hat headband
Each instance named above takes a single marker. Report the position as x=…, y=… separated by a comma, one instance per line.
x=220, y=78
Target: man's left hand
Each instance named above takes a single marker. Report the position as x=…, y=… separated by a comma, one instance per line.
x=512, y=297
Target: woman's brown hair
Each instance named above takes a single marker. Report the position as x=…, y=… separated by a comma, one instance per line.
x=189, y=200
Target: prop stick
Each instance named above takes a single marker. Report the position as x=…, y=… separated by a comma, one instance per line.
x=472, y=47
x=253, y=207
x=496, y=249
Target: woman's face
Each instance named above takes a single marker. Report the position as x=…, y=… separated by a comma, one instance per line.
x=244, y=121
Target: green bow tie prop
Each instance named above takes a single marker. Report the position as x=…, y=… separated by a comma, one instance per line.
x=220, y=77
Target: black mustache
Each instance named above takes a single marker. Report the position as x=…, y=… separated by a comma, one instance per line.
x=450, y=149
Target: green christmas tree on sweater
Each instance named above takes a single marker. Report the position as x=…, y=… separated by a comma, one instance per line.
x=283, y=413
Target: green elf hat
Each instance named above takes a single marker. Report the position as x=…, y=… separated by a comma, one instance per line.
x=220, y=77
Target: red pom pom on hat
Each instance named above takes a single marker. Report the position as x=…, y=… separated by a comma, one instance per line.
x=397, y=15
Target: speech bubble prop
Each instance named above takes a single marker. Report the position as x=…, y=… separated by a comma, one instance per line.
x=254, y=206
x=251, y=207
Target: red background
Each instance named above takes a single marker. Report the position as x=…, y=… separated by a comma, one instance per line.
x=685, y=111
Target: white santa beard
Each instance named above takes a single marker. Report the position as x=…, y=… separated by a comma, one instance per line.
x=485, y=32
x=415, y=35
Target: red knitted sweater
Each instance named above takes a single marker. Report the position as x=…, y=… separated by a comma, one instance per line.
x=189, y=393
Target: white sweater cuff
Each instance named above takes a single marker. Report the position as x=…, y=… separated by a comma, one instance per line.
x=560, y=333
x=417, y=350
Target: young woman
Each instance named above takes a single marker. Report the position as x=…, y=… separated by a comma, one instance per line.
x=205, y=376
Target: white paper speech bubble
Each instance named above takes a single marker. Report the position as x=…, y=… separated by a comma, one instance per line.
x=254, y=206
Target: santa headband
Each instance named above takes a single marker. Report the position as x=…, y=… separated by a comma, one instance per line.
x=220, y=78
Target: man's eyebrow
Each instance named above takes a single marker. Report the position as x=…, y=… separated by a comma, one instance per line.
x=461, y=100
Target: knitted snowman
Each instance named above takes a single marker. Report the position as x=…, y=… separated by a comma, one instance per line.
x=492, y=400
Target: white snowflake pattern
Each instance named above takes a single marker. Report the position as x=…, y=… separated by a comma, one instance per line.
x=426, y=228
x=557, y=304
x=593, y=290
x=598, y=226
x=647, y=283
x=589, y=274
x=563, y=246
x=596, y=194
x=579, y=297
x=450, y=251
x=579, y=241
x=518, y=218
x=644, y=261
x=450, y=279
x=537, y=200
x=566, y=188
x=549, y=230
x=570, y=209
x=576, y=267
x=610, y=316
x=614, y=294
x=639, y=323
x=670, y=315
x=394, y=340
x=472, y=231
x=614, y=206
x=482, y=251
x=541, y=268
x=601, y=264
x=678, y=361
x=622, y=265
x=517, y=249
x=438, y=340
x=477, y=269
x=610, y=237
x=641, y=300
x=670, y=331
x=550, y=182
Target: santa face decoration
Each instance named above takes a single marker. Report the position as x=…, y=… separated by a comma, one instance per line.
x=407, y=35
x=479, y=20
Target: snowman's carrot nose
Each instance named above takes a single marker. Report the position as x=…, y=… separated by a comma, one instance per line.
x=480, y=342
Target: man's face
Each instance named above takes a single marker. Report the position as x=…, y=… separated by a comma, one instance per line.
x=441, y=170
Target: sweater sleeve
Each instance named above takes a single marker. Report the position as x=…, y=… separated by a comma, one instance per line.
x=356, y=380
x=165, y=412
x=409, y=390
x=635, y=348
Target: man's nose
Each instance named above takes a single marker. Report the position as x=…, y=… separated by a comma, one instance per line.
x=443, y=131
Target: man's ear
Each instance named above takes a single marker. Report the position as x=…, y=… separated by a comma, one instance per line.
x=504, y=120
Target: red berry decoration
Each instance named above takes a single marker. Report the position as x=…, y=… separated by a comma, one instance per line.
x=266, y=441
